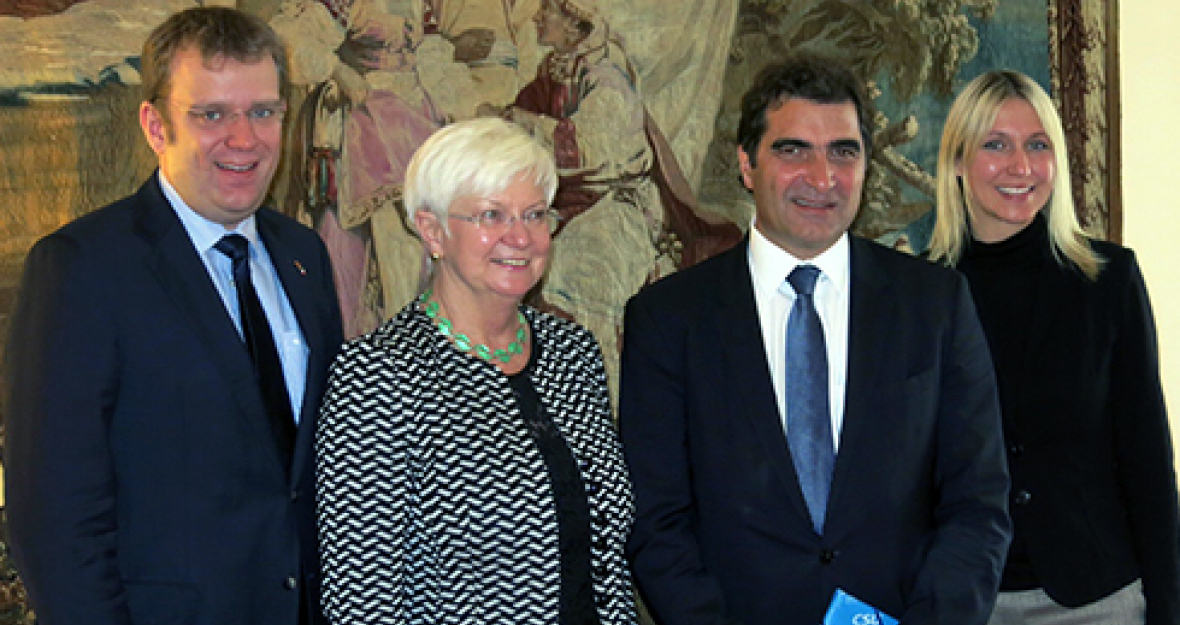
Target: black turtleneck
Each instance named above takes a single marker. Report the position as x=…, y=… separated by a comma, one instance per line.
x=1005, y=278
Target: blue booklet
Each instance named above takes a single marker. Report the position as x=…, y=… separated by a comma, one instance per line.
x=848, y=610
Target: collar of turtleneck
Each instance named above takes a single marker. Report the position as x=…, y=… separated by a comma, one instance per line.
x=1028, y=247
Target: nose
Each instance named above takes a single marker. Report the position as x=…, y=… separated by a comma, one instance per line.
x=240, y=132
x=1019, y=163
x=819, y=174
x=518, y=234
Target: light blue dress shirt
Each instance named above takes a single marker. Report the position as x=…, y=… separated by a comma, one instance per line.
x=769, y=267
x=204, y=234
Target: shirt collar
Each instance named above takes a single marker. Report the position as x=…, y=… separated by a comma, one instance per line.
x=204, y=232
x=770, y=264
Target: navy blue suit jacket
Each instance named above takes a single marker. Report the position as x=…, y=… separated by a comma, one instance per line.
x=916, y=523
x=143, y=483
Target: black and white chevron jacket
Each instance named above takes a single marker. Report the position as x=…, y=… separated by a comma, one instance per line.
x=434, y=504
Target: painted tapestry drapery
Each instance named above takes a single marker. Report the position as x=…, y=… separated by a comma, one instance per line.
x=70, y=141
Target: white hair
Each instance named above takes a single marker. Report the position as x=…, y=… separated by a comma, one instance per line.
x=474, y=158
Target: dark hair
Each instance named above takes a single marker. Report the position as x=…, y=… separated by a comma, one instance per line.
x=213, y=31
x=805, y=76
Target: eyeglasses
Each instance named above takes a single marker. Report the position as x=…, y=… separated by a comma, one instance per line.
x=216, y=117
x=500, y=219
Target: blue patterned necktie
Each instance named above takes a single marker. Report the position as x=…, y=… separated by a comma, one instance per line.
x=809, y=420
x=268, y=368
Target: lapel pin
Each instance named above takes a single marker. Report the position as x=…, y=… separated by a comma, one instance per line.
x=299, y=266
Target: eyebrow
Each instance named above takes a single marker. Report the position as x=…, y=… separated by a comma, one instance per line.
x=846, y=143
x=225, y=106
x=1008, y=135
x=502, y=206
x=779, y=144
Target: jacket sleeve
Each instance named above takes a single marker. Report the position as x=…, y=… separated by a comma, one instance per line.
x=61, y=377
x=365, y=513
x=1143, y=446
x=663, y=548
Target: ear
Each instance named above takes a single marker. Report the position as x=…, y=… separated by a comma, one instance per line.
x=155, y=130
x=430, y=228
x=745, y=168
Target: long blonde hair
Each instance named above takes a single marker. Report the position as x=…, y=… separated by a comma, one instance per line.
x=968, y=122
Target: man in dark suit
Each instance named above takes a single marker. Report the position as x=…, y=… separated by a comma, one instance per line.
x=150, y=477
x=749, y=511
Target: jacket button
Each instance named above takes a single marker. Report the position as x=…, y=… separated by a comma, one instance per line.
x=1021, y=497
x=294, y=495
x=827, y=556
x=290, y=583
x=1016, y=449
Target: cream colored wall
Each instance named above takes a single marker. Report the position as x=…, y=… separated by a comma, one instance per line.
x=1149, y=47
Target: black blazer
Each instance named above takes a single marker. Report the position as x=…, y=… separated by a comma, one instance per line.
x=1093, y=486
x=916, y=523
x=143, y=483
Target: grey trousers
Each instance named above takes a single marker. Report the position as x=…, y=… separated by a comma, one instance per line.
x=1033, y=607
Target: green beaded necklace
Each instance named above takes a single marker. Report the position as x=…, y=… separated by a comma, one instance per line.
x=463, y=342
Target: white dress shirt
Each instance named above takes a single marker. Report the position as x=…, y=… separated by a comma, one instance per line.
x=769, y=267
x=204, y=234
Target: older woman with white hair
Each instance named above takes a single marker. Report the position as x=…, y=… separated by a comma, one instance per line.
x=468, y=469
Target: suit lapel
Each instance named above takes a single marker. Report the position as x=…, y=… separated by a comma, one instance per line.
x=872, y=312
x=296, y=284
x=744, y=353
x=181, y=273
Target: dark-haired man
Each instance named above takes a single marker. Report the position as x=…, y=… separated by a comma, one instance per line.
x=167, y=358
x=810, y=412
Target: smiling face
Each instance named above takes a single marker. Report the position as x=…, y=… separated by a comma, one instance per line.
x=221, y=172
x=807, y=175
x=489, y=264
x=1011, y=175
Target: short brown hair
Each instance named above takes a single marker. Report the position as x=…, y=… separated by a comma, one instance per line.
x=214, y=32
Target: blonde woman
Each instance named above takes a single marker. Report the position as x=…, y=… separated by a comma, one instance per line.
x=1093, y=498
